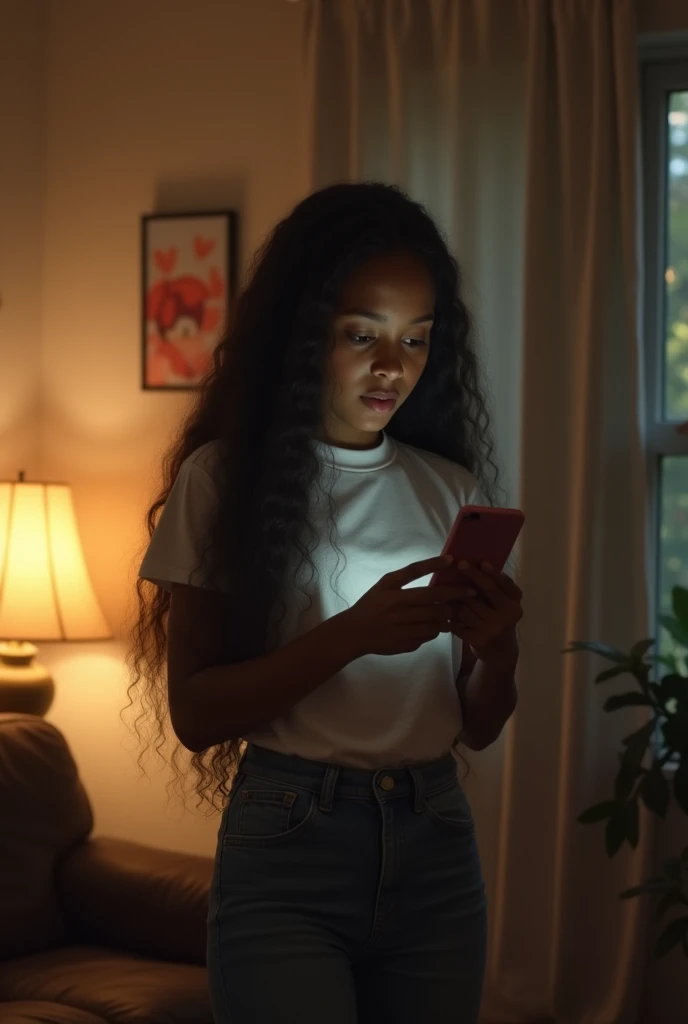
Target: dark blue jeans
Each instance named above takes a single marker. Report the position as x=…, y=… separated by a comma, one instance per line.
x=343, y=896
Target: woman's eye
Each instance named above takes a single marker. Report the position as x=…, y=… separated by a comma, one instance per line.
x=364, y=338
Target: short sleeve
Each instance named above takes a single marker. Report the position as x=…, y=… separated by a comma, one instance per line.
x=176, y=549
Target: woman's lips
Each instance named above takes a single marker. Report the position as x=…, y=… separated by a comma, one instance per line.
x=379, y=404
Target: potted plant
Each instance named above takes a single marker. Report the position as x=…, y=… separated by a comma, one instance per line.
x=653, y=764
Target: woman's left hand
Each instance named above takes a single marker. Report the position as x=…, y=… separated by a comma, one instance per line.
x=488, y=621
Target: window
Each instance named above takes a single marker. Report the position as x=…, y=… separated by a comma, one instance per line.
x=664, y=83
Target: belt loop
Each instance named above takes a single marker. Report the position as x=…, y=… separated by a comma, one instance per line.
x=327, y=791
x=418, y=788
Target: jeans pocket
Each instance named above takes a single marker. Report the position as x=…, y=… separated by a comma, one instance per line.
x=450, y=809
x=265, y=811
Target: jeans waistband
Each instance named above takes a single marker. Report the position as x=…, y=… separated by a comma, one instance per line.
x=324, y=779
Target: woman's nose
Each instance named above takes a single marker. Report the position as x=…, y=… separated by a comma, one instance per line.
x=390, y=367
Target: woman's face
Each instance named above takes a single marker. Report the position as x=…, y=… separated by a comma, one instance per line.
x=381, y=337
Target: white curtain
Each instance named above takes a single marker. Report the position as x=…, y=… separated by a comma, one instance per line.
x=515, y=123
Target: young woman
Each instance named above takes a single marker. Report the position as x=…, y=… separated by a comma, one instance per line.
x=303, y=510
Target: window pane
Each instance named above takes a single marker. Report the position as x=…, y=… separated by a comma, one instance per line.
x=673, y=543
x=676, y=271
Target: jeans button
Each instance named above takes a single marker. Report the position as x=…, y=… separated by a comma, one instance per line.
x=387, y=782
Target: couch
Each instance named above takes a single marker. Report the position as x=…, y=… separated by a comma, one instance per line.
x=93, y=930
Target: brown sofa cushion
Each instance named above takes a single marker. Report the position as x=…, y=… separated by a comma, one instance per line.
x=127, y=895
x=119, y=988
x=45, y=812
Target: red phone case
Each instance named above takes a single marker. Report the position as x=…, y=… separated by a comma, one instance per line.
x=479, y=534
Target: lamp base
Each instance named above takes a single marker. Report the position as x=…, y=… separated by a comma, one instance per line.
x=25, y=687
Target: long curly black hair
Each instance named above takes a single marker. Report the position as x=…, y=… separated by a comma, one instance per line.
x=261, y=401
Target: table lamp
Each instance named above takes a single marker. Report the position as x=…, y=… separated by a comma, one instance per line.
x=45, y=590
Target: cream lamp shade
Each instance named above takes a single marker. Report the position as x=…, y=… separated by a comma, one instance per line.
x=45, y=589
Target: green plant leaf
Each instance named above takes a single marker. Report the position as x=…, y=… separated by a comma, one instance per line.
x=655, y=792
x=671, y=735
x=641, y=673
x=631, y=821
x=669, y=900
x=640, y=649
x=599, y=812
x=681, y=786
x=636, y=744
x=671, y=870
x=617, y=829
x=625, y=781
x=673, y=687
x=675, y=629
x=650, y=888
x=636, y=737
x=604, y=650
x=674, y=933
x=675, y=729
x=626, y=700
x=639, y=739
x=679, y=603
x=611, y=673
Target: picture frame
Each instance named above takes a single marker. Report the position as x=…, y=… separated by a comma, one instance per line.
x=188, y=264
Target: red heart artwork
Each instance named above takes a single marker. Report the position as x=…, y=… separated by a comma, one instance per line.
x=211, y=318
x=166, y=260
x=217, y=288
x=202, y=246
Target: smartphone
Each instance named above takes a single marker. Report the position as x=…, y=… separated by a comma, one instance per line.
x=479, y=534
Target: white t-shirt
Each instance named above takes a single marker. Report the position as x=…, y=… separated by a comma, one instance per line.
x=395, y=504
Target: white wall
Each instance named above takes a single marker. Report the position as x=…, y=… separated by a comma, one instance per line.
x=21, y=229
x=149, y=106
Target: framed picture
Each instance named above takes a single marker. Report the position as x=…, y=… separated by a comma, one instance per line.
x=189, y=281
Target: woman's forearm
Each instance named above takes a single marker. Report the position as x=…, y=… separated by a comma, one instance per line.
x=226, y=702
x=488, y=699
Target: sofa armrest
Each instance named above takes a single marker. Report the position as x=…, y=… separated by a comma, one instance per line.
x=137, y=898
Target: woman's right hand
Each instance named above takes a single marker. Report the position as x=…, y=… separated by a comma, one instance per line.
x=390, y=620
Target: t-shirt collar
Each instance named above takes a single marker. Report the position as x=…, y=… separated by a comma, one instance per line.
x=358, y=460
